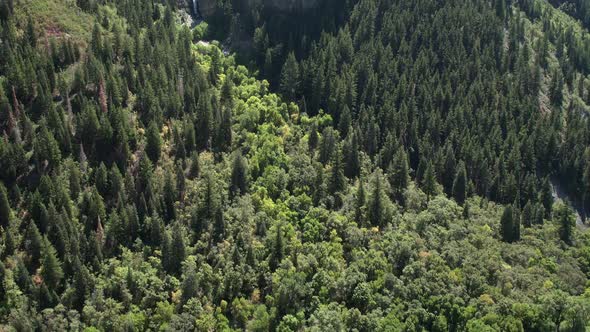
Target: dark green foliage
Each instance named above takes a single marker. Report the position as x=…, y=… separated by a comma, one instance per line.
x=398, y=173
x=510, y=225
x=4, y=207
x=460, y=184
x=51, y=269
x=375, y=211
x=290, y=77
x=429, y=183
x=154, y=184
x=564, y=216
x=239, y=176
x=153, y=145
x=178, y=250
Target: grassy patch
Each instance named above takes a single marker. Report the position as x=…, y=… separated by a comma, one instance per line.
x=56, y=17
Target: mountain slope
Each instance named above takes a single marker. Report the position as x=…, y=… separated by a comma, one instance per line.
x=148, y=182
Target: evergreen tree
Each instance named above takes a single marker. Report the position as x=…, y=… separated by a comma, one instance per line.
x=239, y=182
x=219, y=226
x=178, y=250
x=153, y=146
x=528, y=214
x=4, y=207
x=290, y=77
x=564, y=216
x=546, y=197
x=337, y=179
x=195, y=167
x=376, y=205
x=33, y=245
x=169, y=198
x=399, y=177
x=278, y=249
x=460, y=184
x=352, y=163
x=449, y=170
x=51, y=269
x=507, y=224
x=429, y=182
x=189, y=285
x=359, y=206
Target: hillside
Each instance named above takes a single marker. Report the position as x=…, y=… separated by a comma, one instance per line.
x=385, y=166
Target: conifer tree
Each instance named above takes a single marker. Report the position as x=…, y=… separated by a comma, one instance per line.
x=449, y=170
x=189, y=285
x=239, y=182
x=564, y=216
x=51, y=269
x=290, y=77
x=429, y=182
x=352, y=163
x=460, y=184
x=33, y=245
x=178, y=250
x=169, y=198
x=399, y=177
x=376, y=205
x=337, y=179
x=359, y=206
x=219, y=225
x=153, y=146
x=4, y=207
x=507, y=224
x=278, y=249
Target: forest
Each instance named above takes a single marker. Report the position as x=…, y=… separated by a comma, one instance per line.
x=365, y=165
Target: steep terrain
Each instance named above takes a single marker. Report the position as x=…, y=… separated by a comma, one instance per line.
x=397, y=180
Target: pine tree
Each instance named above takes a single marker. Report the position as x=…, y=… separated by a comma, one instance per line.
x=460, y=184
x=189, y=285
x=429, y=182
x=313, y=138
x=278, y=249
x=337, y=179
x=4, y=207
x=399, y=177
x=376, y=205
x=180, y=182
x=33, y=245
x=239, y=182
x=51, y=269
x=556, y=88
x=359, y=206
x=153, y=146
x=507, y=224
x=101, y=180
x=528, y=214
x=565, y=218
x=169, y=198
x=449, y=170
x=178, y=250
x=195, y=167
x=2, y=286
x=546, y=197
x=290, y=77
x=219, y=225
x=352, y=161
